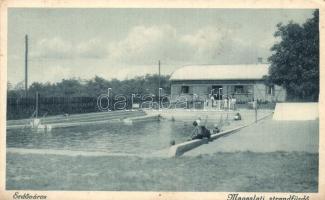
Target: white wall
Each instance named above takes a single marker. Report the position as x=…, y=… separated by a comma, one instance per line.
x=202, y=90
x=261, y=93
x=296, y=111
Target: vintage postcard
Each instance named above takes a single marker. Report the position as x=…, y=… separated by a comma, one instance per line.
x=162, y=100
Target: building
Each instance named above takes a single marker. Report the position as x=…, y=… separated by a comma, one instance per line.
x=244, y=82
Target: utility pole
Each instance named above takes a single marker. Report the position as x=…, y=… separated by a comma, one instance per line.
x=36, y=105
x=26, y=65
x=159, y=73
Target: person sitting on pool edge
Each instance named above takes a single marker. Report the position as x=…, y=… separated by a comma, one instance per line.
x=200, y=132
x=198, y=121
x=216, y=129
x=237, y=117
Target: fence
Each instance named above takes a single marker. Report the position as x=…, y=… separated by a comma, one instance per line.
x=18, y=108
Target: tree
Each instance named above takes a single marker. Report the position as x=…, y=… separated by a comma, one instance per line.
x=141, y=85
x=69, y=87
x=17, y=91
x=9, y=86
x=295, y=61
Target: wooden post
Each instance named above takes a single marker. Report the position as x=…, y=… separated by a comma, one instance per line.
x=159, y=74
x=255, y=107
x=26, y=65
x=36, y=106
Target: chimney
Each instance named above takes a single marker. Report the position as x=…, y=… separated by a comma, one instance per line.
x=259, y=60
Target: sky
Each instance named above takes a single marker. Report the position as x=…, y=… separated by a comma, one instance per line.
x=123, y=43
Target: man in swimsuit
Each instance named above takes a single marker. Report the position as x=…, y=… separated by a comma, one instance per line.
x=200, y=132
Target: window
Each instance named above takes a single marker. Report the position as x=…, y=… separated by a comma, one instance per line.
x=239, y=89
x=216, y=89
x=185, y=89
x=270, y=90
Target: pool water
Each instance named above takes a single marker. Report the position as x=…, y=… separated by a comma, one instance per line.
x=142, y=137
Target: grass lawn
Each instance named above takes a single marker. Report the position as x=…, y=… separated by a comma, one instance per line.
x=236, y=171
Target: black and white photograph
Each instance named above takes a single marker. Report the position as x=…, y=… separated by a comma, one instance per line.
x=162, y=99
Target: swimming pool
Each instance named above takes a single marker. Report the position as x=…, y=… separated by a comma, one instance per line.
x=141, y=137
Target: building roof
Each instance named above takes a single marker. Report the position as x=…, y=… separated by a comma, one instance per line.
x=221, y=72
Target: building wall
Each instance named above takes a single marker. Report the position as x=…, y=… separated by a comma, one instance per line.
x=255, y=90
x=263, y=92
x=280, y=93
x=200, y=90
x=260, y=92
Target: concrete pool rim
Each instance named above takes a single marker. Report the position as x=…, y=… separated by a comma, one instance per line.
x=179, y=149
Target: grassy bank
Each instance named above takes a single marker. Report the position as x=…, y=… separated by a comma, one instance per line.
x=240, y=171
